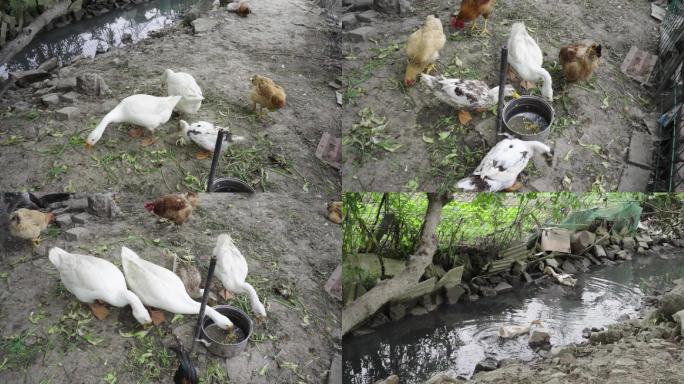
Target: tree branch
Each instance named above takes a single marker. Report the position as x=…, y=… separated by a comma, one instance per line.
x=25, y=37
x=368, y=304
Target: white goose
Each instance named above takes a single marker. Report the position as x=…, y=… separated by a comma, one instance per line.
x=525, y=56
x=510, y=331
x=561, y=278
x=160, y=288
x=231, y=269
x=91, y=278
x=143, y=110
x=501, y=166
x=183, y=84
x=204, y=134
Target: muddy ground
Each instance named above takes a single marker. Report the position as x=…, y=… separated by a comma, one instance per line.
x=292, y=42
x=46, y=335
x=594, y=119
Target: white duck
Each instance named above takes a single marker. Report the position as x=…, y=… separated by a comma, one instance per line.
x=143, y=110
x=204, y=134
x=90, y=279
x=183, y=84
x=561, y=278
x=231, y=269
x=466, y=94
x=501, y=166
x=510, y=331
x=525, y=56
x=160, y=288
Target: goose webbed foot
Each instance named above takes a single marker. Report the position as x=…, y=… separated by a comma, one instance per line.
x=99, y=309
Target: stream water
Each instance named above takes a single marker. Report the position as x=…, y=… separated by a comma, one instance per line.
x=84, y=37
x=458, y=337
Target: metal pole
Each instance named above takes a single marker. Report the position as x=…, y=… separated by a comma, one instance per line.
x=215, y=158
x=502, y=84
x=205, y=297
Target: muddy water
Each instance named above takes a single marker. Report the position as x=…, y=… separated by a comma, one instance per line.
x=457, y=337
x=84, y=37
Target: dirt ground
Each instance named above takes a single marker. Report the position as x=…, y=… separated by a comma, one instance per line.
x=594, y=119
x=42, y=153
x=47, y=336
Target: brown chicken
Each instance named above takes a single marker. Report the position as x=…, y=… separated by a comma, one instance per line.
x=422, y=48
x=335, y=212
x=470, y=11
x=176, y=207
x=28, y=224
x=240, y=7
x=266, y=94
x=579, y=60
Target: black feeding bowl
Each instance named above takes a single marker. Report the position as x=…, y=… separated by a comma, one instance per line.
x=528, y=118
x=231, y=184
x=216, y=337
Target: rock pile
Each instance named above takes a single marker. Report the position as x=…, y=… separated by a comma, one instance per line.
x=358, y=14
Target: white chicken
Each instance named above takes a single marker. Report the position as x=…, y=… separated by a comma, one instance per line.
x=183, y=84
x=143, y=110
x=231, y=269
x=501, y=166
x=526, y=58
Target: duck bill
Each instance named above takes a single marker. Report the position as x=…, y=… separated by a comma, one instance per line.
x=88, y=147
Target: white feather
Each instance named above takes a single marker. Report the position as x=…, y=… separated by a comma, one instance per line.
x=500, y=168
x=142, y=110
x=183, y=84
x=525, y=56
x=204, y=134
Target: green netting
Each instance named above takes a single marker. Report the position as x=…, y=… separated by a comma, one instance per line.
x=621, y=217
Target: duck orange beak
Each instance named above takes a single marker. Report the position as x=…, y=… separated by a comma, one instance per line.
x=87, y=147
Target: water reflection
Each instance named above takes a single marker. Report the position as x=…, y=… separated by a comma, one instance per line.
x=457, y=337
x=84, y=37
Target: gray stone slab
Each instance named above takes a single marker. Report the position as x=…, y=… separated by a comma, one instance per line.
x=634, y=179
x=367, y=16
x=80, y=218
x=67, y=113
x=204, y=25
x=77, y=234
x=361, y=34
x=641, y=149
x=335, y=375
x=349, y=21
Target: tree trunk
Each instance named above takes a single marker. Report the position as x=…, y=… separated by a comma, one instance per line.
x=368, y=304
x=25, y=36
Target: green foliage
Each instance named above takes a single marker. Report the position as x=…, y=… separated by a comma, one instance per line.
x=481, y=222
x=19, y=351
x=368, y=136
x=148, y=358
x=451, y=156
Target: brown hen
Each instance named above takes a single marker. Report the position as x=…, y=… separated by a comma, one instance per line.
x=175, y=207
x=266, y=94
x=579, y=60
x=470, y=11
